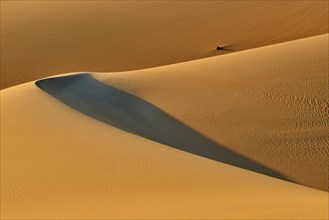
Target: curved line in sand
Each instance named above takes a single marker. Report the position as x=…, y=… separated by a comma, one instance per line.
x=135, y=115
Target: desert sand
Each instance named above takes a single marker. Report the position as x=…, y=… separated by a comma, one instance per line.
x=141, y=118
x=59, y=163
x=269, y=104
x=45, y=38
x=122, y=110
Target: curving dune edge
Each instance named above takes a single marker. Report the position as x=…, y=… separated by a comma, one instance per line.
x=268, y=104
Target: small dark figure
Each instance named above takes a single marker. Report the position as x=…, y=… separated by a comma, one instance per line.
x=220, y=48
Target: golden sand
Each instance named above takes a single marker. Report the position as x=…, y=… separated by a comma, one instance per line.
x=269, y=104
x=59, y=163
x=266, y=101
x=45, y=38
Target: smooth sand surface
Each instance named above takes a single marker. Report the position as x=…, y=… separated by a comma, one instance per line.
x=44, y=38
x=270, y=104
x=57, y=163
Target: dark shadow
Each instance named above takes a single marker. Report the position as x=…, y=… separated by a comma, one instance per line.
x=224, y=48
x=130, y=113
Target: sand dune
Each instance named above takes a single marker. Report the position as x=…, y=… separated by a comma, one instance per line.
x=44, y=38
x=57, y=163
x=269, y=104
x=130, y=113
x=175, y=136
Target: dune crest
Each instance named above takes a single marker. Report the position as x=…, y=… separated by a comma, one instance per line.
x=90, y=36
x=269, y=104
x=65, y=165
x=130, y=113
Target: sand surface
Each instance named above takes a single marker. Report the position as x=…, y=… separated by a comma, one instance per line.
x=44, y=38
x=57, y=163
x=129, y=113
x=264, y=101
x=269, y=104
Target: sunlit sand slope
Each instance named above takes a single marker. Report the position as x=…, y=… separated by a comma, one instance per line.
x=57, y=163
x=44, y=38
x=269, y=104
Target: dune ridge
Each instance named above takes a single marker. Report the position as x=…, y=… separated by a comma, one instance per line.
x=274, y=99
x=132, y=114
x=91, y=36
x=67, y=165
x=268, y=104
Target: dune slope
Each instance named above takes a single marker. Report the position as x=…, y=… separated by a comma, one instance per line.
x=44, y=38
x=57, y=163
x=130, y=113
x=269, y=104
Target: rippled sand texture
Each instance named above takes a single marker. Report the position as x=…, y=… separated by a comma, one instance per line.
x=269, y=104
x=265, y=99
x=132, y=114
x=44, y=38
x=59, y=163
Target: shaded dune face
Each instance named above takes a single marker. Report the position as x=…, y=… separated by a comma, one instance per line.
x=132, y=114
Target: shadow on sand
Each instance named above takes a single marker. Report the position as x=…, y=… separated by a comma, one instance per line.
x=130, y=113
